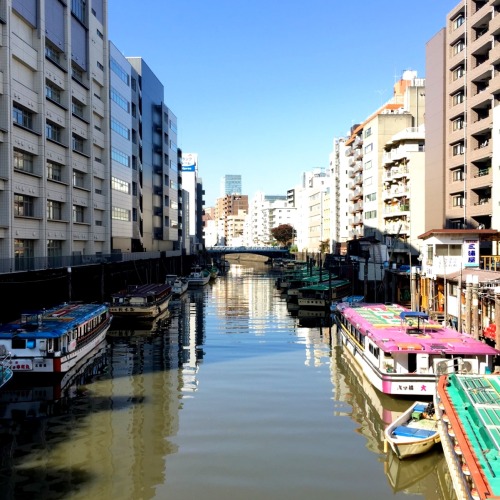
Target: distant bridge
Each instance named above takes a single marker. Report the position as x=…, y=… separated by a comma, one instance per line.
x=272, y=252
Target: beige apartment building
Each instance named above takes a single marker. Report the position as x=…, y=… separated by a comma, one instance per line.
x=54, y=101
x=230, y=212
x=472, y=122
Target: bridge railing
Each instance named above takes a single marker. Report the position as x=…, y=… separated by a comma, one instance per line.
x=223, y=249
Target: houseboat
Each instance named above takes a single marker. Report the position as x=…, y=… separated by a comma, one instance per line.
x=468, y=408
x=321, y=295
x=53, y=341
x=402, y=352
x=141, y=302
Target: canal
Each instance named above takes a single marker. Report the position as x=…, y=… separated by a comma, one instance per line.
x=233, y=397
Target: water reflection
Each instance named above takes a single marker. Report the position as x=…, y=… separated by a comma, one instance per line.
x=230, y=397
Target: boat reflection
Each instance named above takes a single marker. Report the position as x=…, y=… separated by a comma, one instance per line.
x=427, y=475
x=51, y=395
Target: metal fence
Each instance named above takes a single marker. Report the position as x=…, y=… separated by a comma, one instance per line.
x=68, y=261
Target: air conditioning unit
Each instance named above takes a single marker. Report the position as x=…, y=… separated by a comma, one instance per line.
x=443, y=366
x=468, y=366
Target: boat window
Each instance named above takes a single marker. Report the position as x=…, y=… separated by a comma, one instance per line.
x=18, y=343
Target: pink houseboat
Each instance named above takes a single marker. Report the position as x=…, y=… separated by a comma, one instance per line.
x=402, y=352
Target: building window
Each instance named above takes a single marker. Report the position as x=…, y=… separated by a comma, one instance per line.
x=79, y=9
x=119, y=185
x=23, y=161
x=369, y=148
x=52, y=52
x=458, y=98
x=100, y=35
x=458, y=149
x=100, y=66
x=458, y=47
x=77, y=108
x=54, y=171
x=458, y=175
x=120, y=157
x=119, y=71
x=23, y=206
x=371, y=197
x=118, y=213
x=119, y=99
x=53, y=132
x=121, y=129
x=78, y=213
x=76, y=72
x=371, y=214
x=458, y=72
x=78, y=179
x=368, y=132
x=78, y=143
x=458, y=200
x=54, y=252
x=458, y=124
x=458, y=21
x=54, y=210
x=52, y=92
x=22, y=117
x=24, y=252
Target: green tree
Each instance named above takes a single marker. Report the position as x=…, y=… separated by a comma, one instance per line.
x=283, y=234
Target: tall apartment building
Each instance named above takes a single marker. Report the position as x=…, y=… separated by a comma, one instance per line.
x=472, y=115
x=230, y=184
x=339, y=198
x=388, y=173
x=156, y=163
x=194, y=204
x=230, y=213
x=266, y=212
x=54, y=123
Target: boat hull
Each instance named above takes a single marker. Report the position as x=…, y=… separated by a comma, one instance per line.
x=413, y=433
x=55, y=341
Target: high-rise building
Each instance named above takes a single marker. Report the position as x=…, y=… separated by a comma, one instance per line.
x=193, y=187
x=156, y=160
x=230, y=184
x=55, y=126
x=471, y=82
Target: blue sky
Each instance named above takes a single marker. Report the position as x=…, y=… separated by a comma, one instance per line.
x=261, y=87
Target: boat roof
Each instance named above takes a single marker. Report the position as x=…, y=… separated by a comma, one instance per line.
x=326, y=285
x=475, y=402
x=54, y=322
x=143, y=290
x=385, y=325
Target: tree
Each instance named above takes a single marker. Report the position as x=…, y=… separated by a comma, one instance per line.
x=283, y=234
x=324, y=246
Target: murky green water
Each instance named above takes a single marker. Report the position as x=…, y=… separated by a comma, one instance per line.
x=234, y=399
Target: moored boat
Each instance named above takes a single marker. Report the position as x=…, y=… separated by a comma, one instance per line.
x=198, y=277
x=414, y=432
x=402, y=352
x=321, y=295
x=144, y=302
x=5, y=366
x=54, y=340
x=468, y=407
x=180, y=286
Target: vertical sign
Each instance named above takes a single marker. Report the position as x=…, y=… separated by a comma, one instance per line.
x=471, y=253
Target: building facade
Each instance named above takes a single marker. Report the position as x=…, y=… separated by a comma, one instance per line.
x=55, y=165
x=230, y=184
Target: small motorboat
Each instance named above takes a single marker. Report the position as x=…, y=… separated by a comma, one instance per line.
x=414, y=432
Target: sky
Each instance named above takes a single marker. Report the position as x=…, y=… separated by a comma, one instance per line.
x=261, y=88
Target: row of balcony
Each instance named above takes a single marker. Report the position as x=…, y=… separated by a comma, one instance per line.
x=396, y=173
x=396, y=192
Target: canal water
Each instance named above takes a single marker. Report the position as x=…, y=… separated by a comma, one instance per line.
x=234, y=396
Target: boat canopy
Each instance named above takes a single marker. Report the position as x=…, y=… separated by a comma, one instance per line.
x=413, y=314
